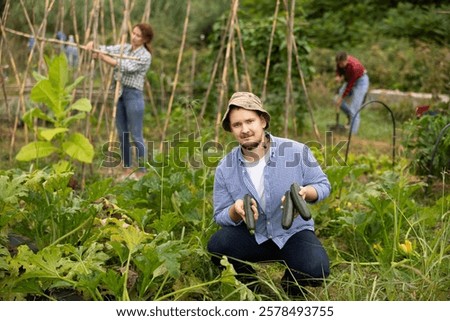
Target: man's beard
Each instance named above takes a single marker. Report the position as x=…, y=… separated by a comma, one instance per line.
x=254, y=144
x=250, y=145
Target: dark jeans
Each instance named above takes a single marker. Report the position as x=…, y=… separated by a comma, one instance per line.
x=129, y=121
x=303, y=253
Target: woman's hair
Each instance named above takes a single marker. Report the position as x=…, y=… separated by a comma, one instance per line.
x=341, y=56
x=147, y=34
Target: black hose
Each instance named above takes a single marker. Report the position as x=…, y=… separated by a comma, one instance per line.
x=393, y=129
x=350, y=133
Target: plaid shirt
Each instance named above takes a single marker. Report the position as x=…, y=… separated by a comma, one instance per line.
x=130, y=72
x=351, y=73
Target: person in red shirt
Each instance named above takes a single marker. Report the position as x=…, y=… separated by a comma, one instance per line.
x=356, y=84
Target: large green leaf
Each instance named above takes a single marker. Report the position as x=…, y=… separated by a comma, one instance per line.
x=66, y=122
x=35, y=150
x=51, y=91
x=43, y=92
x=72, y=86
x=82, y=104
x=78, y=146
x=58, y=72
x=29, y=116
x=48, y=134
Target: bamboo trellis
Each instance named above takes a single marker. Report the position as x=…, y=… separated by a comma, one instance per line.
x=93, y=24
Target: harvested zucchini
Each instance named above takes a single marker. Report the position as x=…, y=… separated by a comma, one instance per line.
x=299, y=203
x=249, y=215
x=288, y=211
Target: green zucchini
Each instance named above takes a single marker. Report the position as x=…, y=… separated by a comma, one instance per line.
x=288, y=211
x=299, y=203
x=249, y=216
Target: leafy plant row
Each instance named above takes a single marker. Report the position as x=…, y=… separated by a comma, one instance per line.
x=384, y=228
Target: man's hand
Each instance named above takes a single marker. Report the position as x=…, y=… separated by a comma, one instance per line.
x=308, y=193
x=237, y=212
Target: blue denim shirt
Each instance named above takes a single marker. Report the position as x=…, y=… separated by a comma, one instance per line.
x=289, y=162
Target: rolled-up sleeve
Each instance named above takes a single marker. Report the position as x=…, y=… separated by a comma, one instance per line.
x=314, y=176
x=222, y=201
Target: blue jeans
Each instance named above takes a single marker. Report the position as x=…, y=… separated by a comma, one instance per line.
x=129, y=120
x=303, y=253
x=352, y=103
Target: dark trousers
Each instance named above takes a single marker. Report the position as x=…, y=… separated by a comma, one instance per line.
x=303, y=253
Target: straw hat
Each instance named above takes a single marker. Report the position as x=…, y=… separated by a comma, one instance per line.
x=247, y=101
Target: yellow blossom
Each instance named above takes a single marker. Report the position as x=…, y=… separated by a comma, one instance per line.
x=377, y=247
x=406, y=247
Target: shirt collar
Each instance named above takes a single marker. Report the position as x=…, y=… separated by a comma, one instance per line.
x=272, y=150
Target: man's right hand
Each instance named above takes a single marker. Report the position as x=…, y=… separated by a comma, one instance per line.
x=237, y=212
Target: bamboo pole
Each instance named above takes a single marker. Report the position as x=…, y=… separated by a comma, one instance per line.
x=237, y=83
x=94, y=15
x=288, y=97
x=61, y=12
x=21, y=85
x=76, y=34
x=147, y=11
x=223, y=87
x=25, y=75
x=192, y=77
x=175, y=81
x=123, y=36
x=16, y=76
x=42, y=30
x=308, y=101
x=92, y=26
x=145, y=19
x=244, y=59
x=5, y=94
x=269, y=51
x=113, y=21
x=56, y=41
x=105, y=73
x=302, y=79
x=2, y=79
x=215, y=67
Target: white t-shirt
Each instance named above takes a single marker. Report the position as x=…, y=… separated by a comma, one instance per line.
x=256, y=172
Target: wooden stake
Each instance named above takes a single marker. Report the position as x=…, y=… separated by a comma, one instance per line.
x=288, y=97
x=215, y=67
x=147, y=11
x=175, y=81
x=118, y=82
x=5, y=95
x=224, y=87
x=269, y=52
x=308, y=101
x=51, y=40
x=244, y=59
x=302, y=78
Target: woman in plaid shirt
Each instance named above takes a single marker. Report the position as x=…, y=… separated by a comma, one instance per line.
x=131, y=73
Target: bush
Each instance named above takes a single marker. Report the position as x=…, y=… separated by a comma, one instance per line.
x=421, y=142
